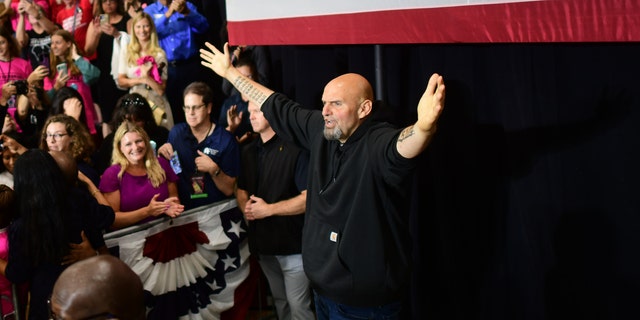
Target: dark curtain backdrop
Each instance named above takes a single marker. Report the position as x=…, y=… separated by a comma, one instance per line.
x=526, y=204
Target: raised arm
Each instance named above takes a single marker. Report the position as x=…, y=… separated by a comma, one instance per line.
x=220, y=63
x=415, y=138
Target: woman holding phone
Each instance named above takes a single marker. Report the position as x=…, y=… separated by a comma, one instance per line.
x=106, y=28
x=69, y=69
x=34, y=32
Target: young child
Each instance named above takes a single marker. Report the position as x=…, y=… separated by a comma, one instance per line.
x=7, y=211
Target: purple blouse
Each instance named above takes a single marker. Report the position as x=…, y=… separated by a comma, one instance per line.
x=136, y=191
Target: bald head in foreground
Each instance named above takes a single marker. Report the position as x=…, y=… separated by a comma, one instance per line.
x=98, y=286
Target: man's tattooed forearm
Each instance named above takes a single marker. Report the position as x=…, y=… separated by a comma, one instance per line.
x=406, y=133
x=248, y=89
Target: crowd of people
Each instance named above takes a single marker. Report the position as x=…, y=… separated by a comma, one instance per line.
x=105, y=125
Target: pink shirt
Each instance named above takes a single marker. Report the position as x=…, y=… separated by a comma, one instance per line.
x=16, y=69
x=5, y=285
x=27, y=25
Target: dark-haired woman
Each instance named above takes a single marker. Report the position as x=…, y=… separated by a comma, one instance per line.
x=101, y=36
x=13, y=69
x=46, y=223
x=31, y=113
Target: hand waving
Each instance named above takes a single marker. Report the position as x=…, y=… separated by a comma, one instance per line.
x=431, y=104
x=215, y=60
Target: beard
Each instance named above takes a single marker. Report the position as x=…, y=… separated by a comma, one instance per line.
x=332, y=134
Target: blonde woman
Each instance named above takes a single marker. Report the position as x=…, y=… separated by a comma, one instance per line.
x=143, y=68
x=138, y=186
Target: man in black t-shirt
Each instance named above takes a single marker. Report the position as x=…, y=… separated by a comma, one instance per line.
x=272, y=194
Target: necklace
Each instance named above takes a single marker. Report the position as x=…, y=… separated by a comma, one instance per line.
x=5, y=76
x=210, y=130
x=205, y=135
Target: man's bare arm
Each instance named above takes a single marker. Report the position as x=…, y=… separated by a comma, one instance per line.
x=220, y=63
x=414, y=139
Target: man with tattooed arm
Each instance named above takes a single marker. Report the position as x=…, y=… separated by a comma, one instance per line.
x=355, y=243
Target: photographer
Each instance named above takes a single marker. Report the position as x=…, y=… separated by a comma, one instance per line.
x=31, y=113
x=13, y=72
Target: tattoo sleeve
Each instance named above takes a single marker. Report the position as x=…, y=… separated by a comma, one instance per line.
x=406, y=133
x=250, y=90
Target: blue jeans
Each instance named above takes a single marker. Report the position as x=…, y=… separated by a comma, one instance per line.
x=329, y=310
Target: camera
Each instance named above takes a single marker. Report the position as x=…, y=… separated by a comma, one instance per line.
x=22, y=87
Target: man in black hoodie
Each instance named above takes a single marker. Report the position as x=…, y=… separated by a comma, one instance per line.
x=355, y=243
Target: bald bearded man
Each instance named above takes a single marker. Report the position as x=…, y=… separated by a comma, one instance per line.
x=356, y=240
x=98, y=287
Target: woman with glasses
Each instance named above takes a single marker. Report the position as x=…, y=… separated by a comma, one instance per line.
x=64, y=133
x=138, y=186
x=143, y=68
x=101, y=35
x=134, y=108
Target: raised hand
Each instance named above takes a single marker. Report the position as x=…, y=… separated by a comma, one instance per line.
x=234, y=118
x=216, y=60
x=38, y=74
x=12, y=144
x=431, y=104
x=73, y=108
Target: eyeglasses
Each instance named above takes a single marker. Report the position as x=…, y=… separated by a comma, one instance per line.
x=193, y=108
x=56, y=136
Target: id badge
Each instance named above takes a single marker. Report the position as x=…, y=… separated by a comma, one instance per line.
x=197, y=186
x=175, y=163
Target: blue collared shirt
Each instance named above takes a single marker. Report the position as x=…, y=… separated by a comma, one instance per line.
x=177, y=33
x=222, y=148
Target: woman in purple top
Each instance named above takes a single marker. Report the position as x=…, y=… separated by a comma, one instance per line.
x=138, y=186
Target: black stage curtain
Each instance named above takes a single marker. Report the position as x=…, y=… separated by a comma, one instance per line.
x=526, y=205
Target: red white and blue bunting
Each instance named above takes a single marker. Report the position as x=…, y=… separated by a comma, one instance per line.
x=190, y=266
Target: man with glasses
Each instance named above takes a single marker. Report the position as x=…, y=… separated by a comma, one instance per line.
x=206, y=157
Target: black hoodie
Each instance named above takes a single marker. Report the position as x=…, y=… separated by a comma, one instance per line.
x=355, y=242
